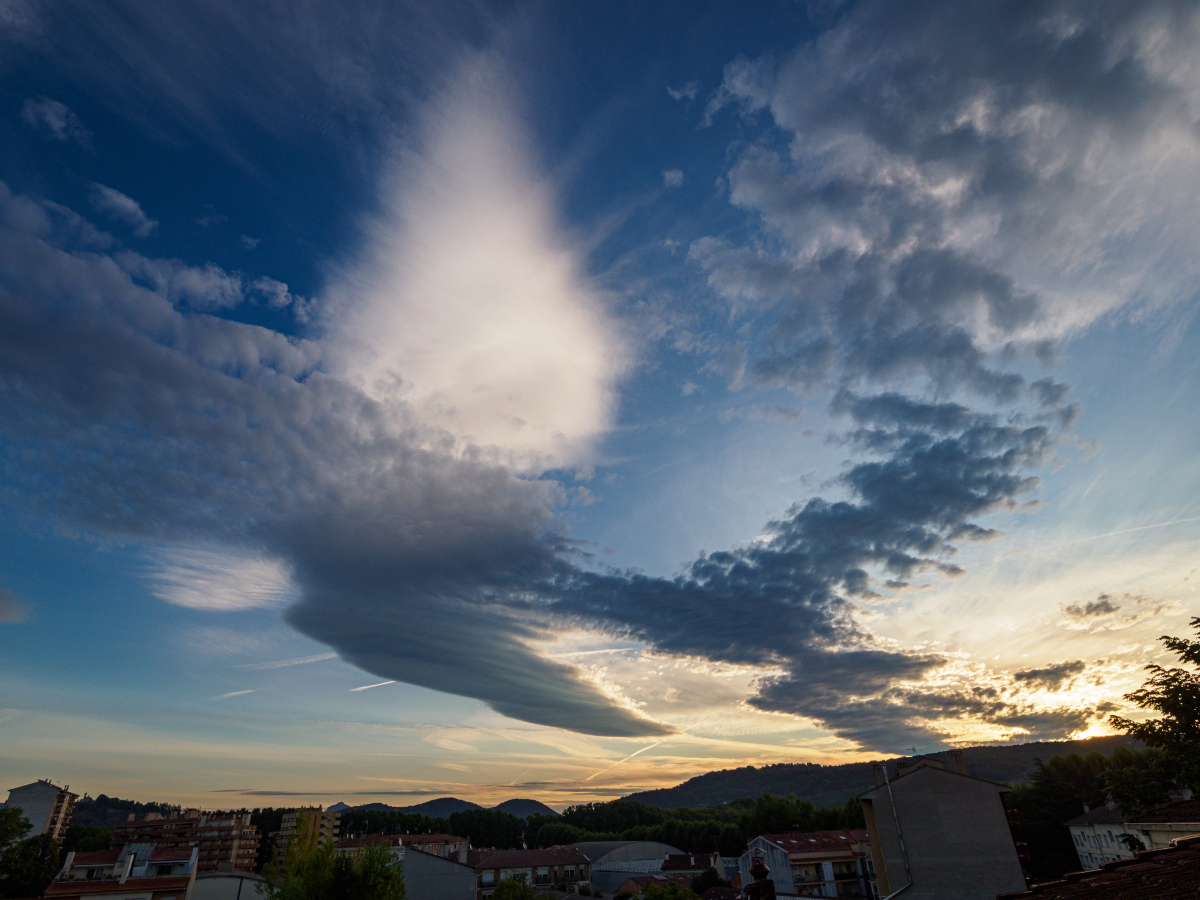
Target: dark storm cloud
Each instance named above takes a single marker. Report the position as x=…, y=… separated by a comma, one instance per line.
x=1052, y=677
x=946, y=199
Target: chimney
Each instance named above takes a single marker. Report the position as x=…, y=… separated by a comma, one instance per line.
x=956, y=763
x=877, y=769
x=1086, y=808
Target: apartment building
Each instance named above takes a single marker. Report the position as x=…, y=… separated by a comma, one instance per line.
x=446, y=846
x=47, y=807
x=937, y=832
x=539, y=868
x=135, y=872
x=319, y=825
x=220, y=837
x=814, y=864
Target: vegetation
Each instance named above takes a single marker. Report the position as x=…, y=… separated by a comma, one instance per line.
x=105, y=812
x=1175, y=693
x=1062, y=787
x=672, y=890
x=512, y=889
x=83, y=838
x=28, y=866
x=488, y=828
x=709, y=878
x=309, y=872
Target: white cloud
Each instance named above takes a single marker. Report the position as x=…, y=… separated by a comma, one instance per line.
x=686, y=92
x=285, y=663
x=468, y=303
x=673, y=178
x=249, y=242
x=220, y=582
x=118, y=206
x=46, y=115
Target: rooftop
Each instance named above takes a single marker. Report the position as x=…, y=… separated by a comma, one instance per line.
x=1170, y=874
x=112, y=886
x=818, y=841
x=95, y=857
x=517, y=859
x=1102, y=815
x=687, y=861
x=1173, y=813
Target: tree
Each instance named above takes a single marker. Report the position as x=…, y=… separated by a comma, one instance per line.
x=709, y=878
x=1175, y=693
x=309, y=872
x=1137, y=779
x=13, y=826
x=672, y=890
x=81, y=838
x=512, y=889
x=27, y=867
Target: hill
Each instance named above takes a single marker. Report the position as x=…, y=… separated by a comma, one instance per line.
x=834, y=785
x=441, y=808
x=523, y=808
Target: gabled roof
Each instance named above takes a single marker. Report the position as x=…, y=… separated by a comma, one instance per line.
x=518, y=859
x=407, y=839
x=928, y=766
x=690, y=861
x=1169, y=874
x=1182, y=811
x=114, y=886
x=1101, y=815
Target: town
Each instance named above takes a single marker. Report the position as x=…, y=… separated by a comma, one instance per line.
x=927, y=828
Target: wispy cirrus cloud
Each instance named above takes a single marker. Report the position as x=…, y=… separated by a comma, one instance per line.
x=218, y=581
x=55, y=119
x=119, y=206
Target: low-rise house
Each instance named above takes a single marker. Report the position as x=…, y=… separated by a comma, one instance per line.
x=637, y=884
x=447, y=846
x=692, y=864
x=539, y=868
x=814, y=864
x=1097, y=836
x=937, y=832
x=47, y=807
x=135, y=872
x=428, y=876
x=1169, y=873
x=1158, y=826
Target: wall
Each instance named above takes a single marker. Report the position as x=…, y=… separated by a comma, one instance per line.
x=429, y=877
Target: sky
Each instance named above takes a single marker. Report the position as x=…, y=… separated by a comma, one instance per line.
x=560, y=400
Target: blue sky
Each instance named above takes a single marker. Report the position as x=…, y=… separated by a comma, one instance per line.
x=403, y=402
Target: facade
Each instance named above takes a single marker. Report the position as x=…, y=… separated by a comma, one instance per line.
x=538, y=868
x=47, y=807
x=318, y=824
x=221, y=838
x=1159, y=826
x=637, y=884
x=814, y=864
x=446, y=846
x=937, y=832
x=135, y=872
x=1097, y=837
x=428, y=876
x=613, y=862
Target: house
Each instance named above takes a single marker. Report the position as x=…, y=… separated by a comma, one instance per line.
x=135, y=872
x=47, y=807
x=1158, y=826
x=613, y=862
x=692, y=864
x=429, y=876
x=938, y=832
x=539, y=868
x=447, y=846
x=637, y=884
x=1169, y=873
x=814, y=864
x=1097, y=836
x=221, y=837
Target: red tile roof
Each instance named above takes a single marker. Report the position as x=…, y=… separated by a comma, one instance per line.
x=1169, y=874
x=95, y=857
x=163, y=854
x=518, y=859
x=431, y=839
x=818, y=841
x=113, y=886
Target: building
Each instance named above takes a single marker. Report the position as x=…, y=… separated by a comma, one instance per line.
x=321, y=826
x=428, y=876
x=1158, y=826
x=47, y=807
x=220, y=837
x=937, y=832
x=814, y=864
x=692, y=864
x=637, y=884
x=538, y=868
x=1097, y=837
x=447, y=846
x=135, y=872
x=1169, y=873
x=613, y=862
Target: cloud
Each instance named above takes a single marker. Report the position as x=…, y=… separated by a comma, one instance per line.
x=56, y=119
x=1053, y=677
x=118, y=206
x=689, y=388
x=686, y=92
x=12, y=610
x=532, y=370
x=210, y=219
x=672, y=178
x=217, y=581
x=250, y=243
x=285, y=663
x=1102, y=614
x=232, y=694
x=1101, y=606
x=784, y=415
x=961, y=189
